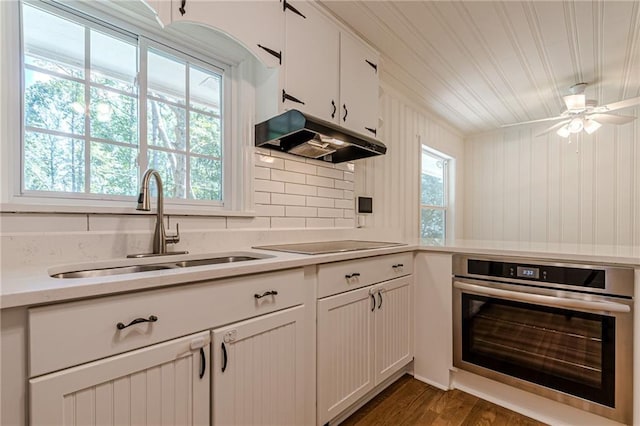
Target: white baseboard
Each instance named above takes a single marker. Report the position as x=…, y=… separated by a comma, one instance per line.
x=432, y=383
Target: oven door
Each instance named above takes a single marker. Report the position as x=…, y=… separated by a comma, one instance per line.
x=567, y=346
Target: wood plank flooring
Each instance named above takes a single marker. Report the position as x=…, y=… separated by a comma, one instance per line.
x=410, y=402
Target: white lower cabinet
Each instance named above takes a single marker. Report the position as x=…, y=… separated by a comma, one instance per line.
x=364, y=336
x=258, y=370
x=163, y=384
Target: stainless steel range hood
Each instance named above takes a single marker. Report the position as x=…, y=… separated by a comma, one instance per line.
x=301, y=134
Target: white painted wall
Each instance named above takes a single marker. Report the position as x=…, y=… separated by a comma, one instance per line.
x=394, y=180
x=526, y=188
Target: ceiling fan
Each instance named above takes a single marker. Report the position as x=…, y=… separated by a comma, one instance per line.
x=584, y=114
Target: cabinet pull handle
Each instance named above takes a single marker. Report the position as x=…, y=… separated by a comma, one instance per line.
x=354, y=275
x=333, y=104
x=373, y=302
x=203, y=363
x=286, y=5
x=183, y=3
x=374, y=131
x=272, y=52
x=152, y=318
x=224, y=357
x=379, y=299
x=346, y=112
x=265, y=294
x=374, y=66
x=288, y=97
x=399, y=265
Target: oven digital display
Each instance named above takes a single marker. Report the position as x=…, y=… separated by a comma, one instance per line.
x=528, y=272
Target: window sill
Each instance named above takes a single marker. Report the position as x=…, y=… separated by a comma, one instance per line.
x=175, y=210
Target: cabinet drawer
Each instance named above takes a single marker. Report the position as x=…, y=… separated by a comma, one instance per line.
x=72, y=333
x=334, y=278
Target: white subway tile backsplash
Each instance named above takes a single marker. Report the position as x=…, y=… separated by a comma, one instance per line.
x=300, y=167
x=269, y=161
x=22, y=222
x=330, y=193
x=288, y=199
x=348, y=195
x=320, y=163
x=320, y=202
x=294, y=188
x=325, y=212
x=269, y=210
x=262, y=197
x=345, y=223
x=268, y=186
x=194, y=223
x=288, y=222
x=248, y=222
x=320, y=181
x=301, y=211
x=348, y=176
x=320, y=223
x=292, y=177
x=345, y=166
x=348, y=214
x=344, y=204
x=330, y=173
x=262, y=173
x=343, y=184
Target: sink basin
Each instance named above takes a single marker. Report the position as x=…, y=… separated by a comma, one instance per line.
x=103, y=272
x=215, y=261
x=89, y=273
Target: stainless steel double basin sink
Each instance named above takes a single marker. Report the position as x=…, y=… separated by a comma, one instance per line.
x=131, y=269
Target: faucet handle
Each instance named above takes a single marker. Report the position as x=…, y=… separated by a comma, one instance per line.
x=174, y=239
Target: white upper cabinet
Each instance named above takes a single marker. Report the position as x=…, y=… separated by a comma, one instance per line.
x=358, y=86
x=311, y=62
x=258, y=25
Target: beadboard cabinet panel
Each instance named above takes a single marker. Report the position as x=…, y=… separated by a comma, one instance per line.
x=583, y=190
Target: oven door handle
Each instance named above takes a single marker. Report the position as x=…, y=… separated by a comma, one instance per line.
x=561, y=302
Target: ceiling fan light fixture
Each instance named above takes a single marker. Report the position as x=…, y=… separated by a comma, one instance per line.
x=575, y=103
x=576, y=125
x=591, y=126
x=564, y=131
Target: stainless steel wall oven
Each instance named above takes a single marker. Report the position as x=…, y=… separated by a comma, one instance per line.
x=563, y=331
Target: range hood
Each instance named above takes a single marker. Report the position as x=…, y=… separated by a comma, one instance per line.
x=297, y=133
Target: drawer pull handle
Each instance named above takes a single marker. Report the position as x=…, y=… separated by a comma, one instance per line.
x=203, y=363
x=152, y=318
x=354, y=275
x=224, y=357
x=373, y=300
x=399, y=265
x=380, y=299
x=265, y=294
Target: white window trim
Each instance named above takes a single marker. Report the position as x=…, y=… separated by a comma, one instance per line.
x=238, y=164
x=447, y=176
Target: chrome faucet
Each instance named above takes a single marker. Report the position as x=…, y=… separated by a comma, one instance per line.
x=160, y=237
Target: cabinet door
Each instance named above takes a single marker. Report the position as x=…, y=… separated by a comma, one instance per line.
x=167, y=383
x=252, y=23
x=311, y=62
x=258, y=370
x=358, y=86
x=345, y=351
x=394, y=326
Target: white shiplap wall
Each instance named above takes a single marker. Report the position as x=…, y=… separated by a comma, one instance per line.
x=394, y=179
x=526, y=188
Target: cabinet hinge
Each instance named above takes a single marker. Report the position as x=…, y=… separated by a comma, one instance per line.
x=374, y=66
x=272, y=52
x=181, y=9
x=286, y=5
x=374, y=131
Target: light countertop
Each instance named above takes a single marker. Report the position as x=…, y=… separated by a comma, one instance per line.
x=33, y=285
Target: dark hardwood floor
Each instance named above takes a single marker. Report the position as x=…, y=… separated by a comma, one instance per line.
x=411, y=402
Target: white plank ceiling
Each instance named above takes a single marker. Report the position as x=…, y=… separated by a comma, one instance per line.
x=480, y=64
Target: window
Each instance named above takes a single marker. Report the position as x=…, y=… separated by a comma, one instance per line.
x=433, y=195
x=100, y=105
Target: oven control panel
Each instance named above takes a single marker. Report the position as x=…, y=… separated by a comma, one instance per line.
x=584, y=277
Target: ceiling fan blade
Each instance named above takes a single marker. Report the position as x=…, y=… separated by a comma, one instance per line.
x=560, y=117
x=575, y=102
x=618, y=105
x=552, y=128
x=611, y=118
